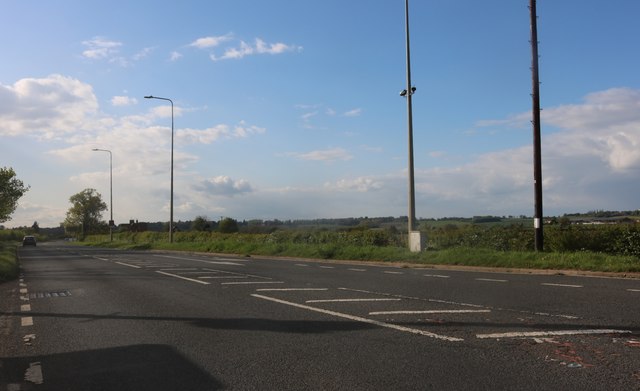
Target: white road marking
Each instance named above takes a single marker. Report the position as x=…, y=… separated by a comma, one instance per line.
x=26, y=321
x=349, y=300
x=102, y=259
x=223, y=262
x=357, y=270
x=326, y=267
x=183, y=278
x=360, y=319
x=290, y=289
x=25, y=308
x=251, y=282
x=221, y=277
x=126, y=264
x=180, y=269
x=490, y=280
x=551, y=333
x=562, y=285
x=436, y=275
x=24, y=290
x=33, y=374
x=243, y=275
x=633, y=290
x=428, y=312
x=301, y=265
x=388, y=272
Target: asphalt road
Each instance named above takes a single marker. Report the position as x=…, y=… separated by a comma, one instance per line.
x=97, y=319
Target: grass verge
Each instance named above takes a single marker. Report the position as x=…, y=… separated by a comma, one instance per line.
x=462, y=256
x=8, y=261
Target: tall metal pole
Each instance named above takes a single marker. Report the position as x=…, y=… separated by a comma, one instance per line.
x=409, y=93
x=110, y=191
x=171, y=202
x=537, y=154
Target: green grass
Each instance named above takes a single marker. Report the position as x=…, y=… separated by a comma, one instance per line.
x=247, y=245
x=8, y=262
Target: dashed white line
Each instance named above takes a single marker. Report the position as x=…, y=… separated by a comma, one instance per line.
x=562, y=285
x=33, y=374
x=326, y=267
x=357, y=270
x=360, y=319
x=389, y=272
x=551, y=333
x=126, y=264
x=428, y=312
x=23, y=290
x=25, y=308
x=26, y=321
x=633, y=290
x=349, y=300
x=183, y=278
x=221, y=277
x=436, y=275
x=301, y=265
x=490, y=280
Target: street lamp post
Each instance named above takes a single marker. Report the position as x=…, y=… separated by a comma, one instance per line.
x=171, y=202
x=111, y=223
x=414, y=237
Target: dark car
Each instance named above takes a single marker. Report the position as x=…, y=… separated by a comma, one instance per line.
x=29, y=241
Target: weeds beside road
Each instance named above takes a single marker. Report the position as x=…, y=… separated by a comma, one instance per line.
x=9, y=267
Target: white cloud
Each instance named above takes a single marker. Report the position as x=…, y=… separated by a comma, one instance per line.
x=326, y=155
x=175, y=56
x=210, y=42
x=260, y=47
x=123, y=101
x=100, y=48
x=353, y=113
x=223, y=186
x=47, y=107
x=361, y=184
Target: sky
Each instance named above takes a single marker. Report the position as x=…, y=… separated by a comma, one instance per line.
x=290, y=109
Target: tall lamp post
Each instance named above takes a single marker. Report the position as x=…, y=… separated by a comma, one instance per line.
x=111, y=223
x=171, y=203
x=415, y=238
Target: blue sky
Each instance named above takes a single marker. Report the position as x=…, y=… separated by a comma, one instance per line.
x=290, y=109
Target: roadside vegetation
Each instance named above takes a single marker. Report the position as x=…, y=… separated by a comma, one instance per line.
x=9, y=241
x=606, y=248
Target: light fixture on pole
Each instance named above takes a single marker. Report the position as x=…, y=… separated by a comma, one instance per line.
x=171, y=202
x=111, y=223
x=415, y=238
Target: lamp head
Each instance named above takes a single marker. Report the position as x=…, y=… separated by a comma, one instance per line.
x=403, y=93
x=149, y=97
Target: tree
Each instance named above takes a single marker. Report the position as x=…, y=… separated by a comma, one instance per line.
x=200, y=223
x=85, y=214
x=228, y=225
x=11, y=189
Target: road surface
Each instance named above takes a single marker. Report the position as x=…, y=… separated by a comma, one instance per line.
x=99, y=319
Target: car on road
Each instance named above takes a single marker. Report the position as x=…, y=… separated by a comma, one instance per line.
x=29, y=241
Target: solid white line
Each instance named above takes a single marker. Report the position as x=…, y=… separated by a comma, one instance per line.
x=25, y=308
x=490, y=280
x=27, y=321
x=562, y=285
x=551, y=333
x=388, y=272
x=348, y=300
x=183, y=278
x=126, y=264
x=428, y=312
x=252, y=282
x=633, y=290
x=359, y=319
x=290, y=289
x=357, y=270
x=436, y=275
